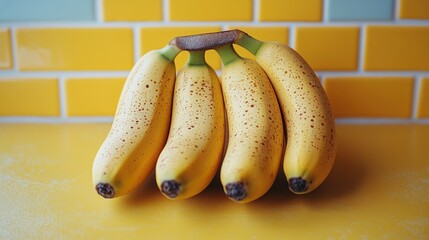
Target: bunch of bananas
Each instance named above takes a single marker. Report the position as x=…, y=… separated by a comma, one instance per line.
x=186, y=127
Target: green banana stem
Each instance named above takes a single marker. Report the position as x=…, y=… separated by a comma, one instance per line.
x=196, y=58
x=251, y=44
x=170, y=52
x=228, y=54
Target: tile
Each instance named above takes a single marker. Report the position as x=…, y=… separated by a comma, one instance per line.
x=329, y=48
x=75, y=48
x=397, y=48
x=219, y=10
x=93, y=96
x=5, y=49
x=291, y=10
x=423, y=102
x=277, y=34
x=157, y=37
x=346, y=10
x=132, y=10
x=414, y=9
x=47, y=10
x=370, y=96
x=29, y=97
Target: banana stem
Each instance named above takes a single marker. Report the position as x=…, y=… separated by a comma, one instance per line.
x=251, y=44
x=170, y=52
x=196, y=58
x=228, y=54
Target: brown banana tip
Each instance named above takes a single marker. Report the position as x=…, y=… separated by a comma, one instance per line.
x=298, y=184
x=236, y=191
x=105, y=190
x=170, y=188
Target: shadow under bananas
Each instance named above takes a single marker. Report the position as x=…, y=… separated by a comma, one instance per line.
x=146, y=194
x=346, y=176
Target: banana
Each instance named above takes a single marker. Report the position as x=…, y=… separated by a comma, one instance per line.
x=256, y=135
x=311, y=138
x=140, y=126
x=192, y=155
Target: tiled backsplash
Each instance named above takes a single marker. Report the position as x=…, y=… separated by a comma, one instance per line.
x=66, y=61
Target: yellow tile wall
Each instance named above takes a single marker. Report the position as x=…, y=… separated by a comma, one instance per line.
x=219, y=10
x=414, y=9
x=423, y=104
x=74, y=48
x=29, y=97
x=92, y=96
x=5, y=49
x=370, y=96
x=132, y=10
x=329, y=48
x=397, y=48
x=371, y=58
x=291, y=10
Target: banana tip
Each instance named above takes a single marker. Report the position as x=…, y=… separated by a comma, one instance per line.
x=298, y=185
x=170, y=188
x=105, y=190
x=236, y=191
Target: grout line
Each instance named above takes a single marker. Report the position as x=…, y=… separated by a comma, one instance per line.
x=361, y=46
x=98, y=11
x=381, y=121
x=167, y=23
x=325, y=11
x=14, y=50
x=371, y=73
x=55, y=120
x=109, y=119
x=62, y=97
x=136, y=43
x=165, y=11
x=256, y=11
x=292, y=36
x=396, y=11
x=124, y=73
x=66, y=74
x=416, y=96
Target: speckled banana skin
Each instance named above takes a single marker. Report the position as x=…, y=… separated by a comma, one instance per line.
x=256, y=133
x=311, y=138
x=193, y=152
x=140, y=127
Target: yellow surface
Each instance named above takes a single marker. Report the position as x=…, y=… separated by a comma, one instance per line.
x=219, y=10
x=370, y=96
x=396, y=48
x=132, y=10
x=5, y=49
x=93, y=96
x=291, y=10
x=329, y=48
x=29, y=97
x=378, y=189
x=75, y=48
x=165, y=34
x=278, y=34
x=423, y=105
x=414, y=9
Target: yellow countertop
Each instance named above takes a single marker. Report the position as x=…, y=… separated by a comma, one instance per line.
x=378, y=189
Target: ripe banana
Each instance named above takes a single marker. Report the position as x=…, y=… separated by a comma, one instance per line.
x=140, y=126
x=193, y=152
x=311, y=138
x=256, y=135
